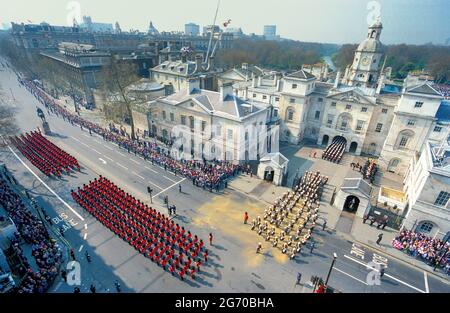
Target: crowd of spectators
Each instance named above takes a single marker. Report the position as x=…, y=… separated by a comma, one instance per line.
x=45, y=250
x=431, y=250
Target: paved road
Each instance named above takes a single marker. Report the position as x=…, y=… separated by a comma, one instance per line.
x=234, y=266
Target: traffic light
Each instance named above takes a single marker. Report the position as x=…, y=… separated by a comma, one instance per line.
x=149, y=190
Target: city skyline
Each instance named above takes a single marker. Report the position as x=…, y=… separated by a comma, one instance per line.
x=411, y=22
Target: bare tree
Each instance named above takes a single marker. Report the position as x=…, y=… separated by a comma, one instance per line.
x=114, y=79
x=8, y=124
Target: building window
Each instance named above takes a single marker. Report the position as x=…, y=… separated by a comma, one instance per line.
x=359, y=125
x=264, y=97
x=172, y=117
x=442, y=198
x=277, y=99
x=379, y=128
x=275, y=112
x=183, y=119
x=254, y=95
x=403, y=141
x=290, y=114
x=317, y=115
x=292, y=100
x=333, y=104
x=348, y=107
x=411, y=122
x=426, y=227
x=164, y=115
x=320, y=99
x=294, y=86
x=230, y=134
x=192, y=122
x=203, y=126
x=437, y=129
x=418, y=104
x=384, y=111
x=330, y=119
x=364, y=109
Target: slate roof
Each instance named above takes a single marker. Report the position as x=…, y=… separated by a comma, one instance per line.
x=302, y=74
x=424, y=88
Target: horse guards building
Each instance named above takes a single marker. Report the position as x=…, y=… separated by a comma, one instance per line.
x=406, y=128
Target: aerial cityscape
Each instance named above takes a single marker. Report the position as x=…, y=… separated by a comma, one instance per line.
x=220, y=159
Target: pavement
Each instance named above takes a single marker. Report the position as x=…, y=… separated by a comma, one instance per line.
x=234, y=265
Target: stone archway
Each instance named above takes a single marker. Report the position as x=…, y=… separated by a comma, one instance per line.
x=353, y=147
x=269, y=173
x=325, y=140
x=351, y=204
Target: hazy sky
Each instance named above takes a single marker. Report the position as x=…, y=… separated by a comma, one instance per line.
x=336, y=21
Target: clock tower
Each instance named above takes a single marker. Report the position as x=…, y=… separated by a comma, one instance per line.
x=365, y=69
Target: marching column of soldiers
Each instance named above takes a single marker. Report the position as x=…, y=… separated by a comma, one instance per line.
x=288, y=223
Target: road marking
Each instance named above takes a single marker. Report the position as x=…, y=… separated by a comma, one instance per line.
x=57, y=286
x=46, y=186
x=106, y=157
x=81, y=248
x=86, y=135
x=136, y=162
x=85, y=236
x=120, y=153
x=171, y=186
x=85, y=226
x=357, y=279
x=84, y=144
x=75, y=139
x=169, y=179
x=122, y=166
x=387, y=275
x=155, y=184
x=107, y=147
x=151, y=169
x=103, y=161
x=358, y=251
x=96, y=151
x=425, y=277
x=138, y=175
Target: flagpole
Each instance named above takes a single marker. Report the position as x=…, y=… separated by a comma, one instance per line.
x=212, y=31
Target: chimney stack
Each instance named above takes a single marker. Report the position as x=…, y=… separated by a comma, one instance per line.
x=338, y=78
x=254, y=82
x=198, y=63
x=226, y=90
x=193, y=84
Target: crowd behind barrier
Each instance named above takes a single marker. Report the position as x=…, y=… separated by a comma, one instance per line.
x=369, y=170
x=45, y=250
x=207, y=174
x=335, y=151
x=151, y=233
x=432, y=251
x=46, y=156
x=288, y=223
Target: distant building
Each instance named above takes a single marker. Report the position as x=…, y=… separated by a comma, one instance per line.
x=192, y=29
x=177, y=73
x=236, y=32
x=210, y=28
x=270, y=32
x=96, y=27
x=152, y=29
x=320, y=70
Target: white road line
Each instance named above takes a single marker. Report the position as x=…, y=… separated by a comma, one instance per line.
x=86, y=135
x=95, y=151
x=108, y=158
x=122, y=166
x=357, y=279
x=173, y=181
x=138, y=175
x=387, y=275
x=75, y=139
x=152, y=170
x=85, y=236
x=46, y=186
x=120, y=153
x=150, y=182
x=81, y=248
x=425, y=277
x=169, y=187
x=107, y=147
x=85, y=226
x=98, y=141
x=57, y=286
x=136, y=162
x=84, y=144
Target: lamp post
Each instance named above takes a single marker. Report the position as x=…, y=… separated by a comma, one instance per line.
x=331, y=268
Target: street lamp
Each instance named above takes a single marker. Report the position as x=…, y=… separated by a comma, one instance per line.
x=331, y=268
